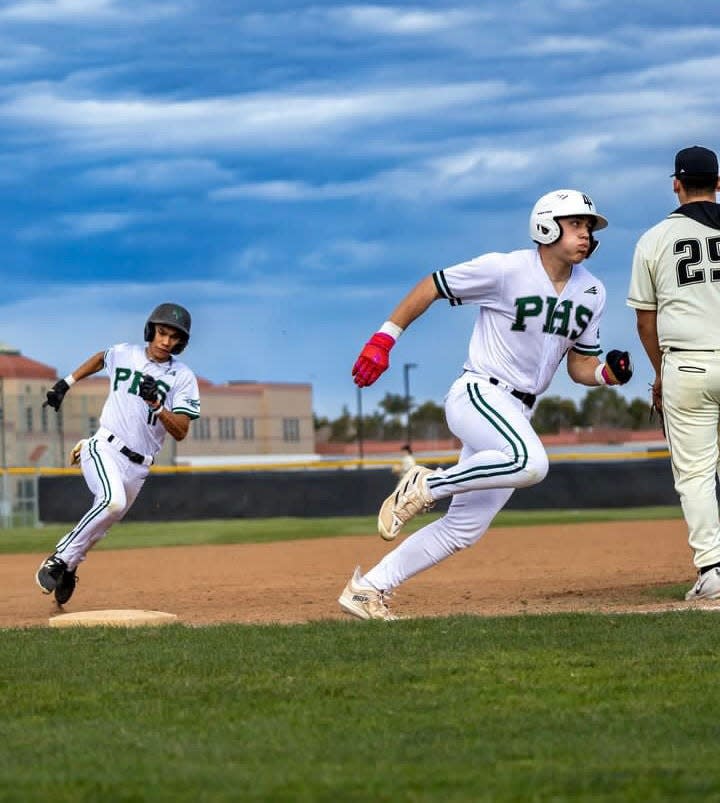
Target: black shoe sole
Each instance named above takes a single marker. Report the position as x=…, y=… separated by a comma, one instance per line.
x=43, y=588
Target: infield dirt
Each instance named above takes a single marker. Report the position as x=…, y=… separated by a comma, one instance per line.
x=609, y=567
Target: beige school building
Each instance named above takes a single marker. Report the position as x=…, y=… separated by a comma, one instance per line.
x=239, y=420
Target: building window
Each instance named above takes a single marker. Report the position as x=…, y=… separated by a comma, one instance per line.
x=201, y=429
x=92, y=425
x=44, y=418
x=226, y=429
x=291, y=430
x=248, y=429
x=29, y=418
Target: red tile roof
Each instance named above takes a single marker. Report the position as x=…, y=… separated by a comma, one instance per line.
x=15, y=366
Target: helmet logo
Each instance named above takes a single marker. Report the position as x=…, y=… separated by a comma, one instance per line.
x=588, y=202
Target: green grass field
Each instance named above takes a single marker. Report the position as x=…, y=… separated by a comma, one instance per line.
x=530, y=708
x=131, y=535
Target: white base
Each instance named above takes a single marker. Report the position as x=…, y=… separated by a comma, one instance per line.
x=113, y=618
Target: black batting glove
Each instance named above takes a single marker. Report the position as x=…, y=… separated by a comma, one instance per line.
x=56, y=394
x=620, y=366
x=148, y=390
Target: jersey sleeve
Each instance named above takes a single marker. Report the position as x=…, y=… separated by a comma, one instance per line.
x=477, y=280
x=186, y=398
x=110, y=357
x=588, y=344
x=641, y=293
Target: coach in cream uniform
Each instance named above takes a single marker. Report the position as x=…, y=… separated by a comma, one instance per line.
x=675, y=290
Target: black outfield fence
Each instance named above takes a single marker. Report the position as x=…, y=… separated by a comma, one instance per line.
x=352, y=492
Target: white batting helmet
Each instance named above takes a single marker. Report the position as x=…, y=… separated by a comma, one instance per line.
x=545, y=229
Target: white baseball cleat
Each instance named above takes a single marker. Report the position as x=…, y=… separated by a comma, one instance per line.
x=411, y=497
x=706, y=587
x=365, y=602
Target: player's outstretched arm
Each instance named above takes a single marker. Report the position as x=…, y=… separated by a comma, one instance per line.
x=56, y=394
x=374, y=358
x=616, y=370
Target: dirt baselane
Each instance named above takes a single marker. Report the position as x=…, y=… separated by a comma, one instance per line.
x=606, y=567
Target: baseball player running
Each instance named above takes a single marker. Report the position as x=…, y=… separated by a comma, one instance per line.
x=675, y=290
x=151, y=394
x=534, y=307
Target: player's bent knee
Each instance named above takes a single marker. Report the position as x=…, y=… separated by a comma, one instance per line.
x=536, y=470
x=115, y=508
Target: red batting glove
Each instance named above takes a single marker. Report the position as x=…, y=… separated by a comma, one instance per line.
x=374, y=359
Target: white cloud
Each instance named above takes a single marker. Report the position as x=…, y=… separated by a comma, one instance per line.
x=94, y=223
x=16, y=55
x=289, y=191
x=259, y=120
x=567, y=45
x=78, y=226
x=343, y=256
x=397, y=20
x=160, y=175
x=44, y=10
x=41, y=11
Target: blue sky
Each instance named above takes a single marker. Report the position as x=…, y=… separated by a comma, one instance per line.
x=288, y=171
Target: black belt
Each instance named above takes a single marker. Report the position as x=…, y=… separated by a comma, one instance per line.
x=527, y=399
x=672, y=348
x=133, y=457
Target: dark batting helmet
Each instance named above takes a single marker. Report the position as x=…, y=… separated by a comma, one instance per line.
x=171, y=315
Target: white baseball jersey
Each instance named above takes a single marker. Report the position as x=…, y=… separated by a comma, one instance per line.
x=523, y=327
x=676, y=271
x=126, y=415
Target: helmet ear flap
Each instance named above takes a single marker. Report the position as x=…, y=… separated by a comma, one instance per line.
x=149, y=332
x=180, y=347
x=544, y=230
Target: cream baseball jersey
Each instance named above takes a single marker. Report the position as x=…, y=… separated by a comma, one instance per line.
x=676, y=271
x=524, y=327
x=126, y=415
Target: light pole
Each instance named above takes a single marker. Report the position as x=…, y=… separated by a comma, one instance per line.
x=360, y=432
x=406, y=374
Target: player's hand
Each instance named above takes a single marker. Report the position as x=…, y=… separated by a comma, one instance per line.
x=148, y=390
x=656, y=404
x=374, y=359
x=618, y=367
x=56, y=394
x=75, y=452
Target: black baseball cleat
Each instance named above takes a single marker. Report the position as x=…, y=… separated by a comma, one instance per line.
x=50, y=573
x=65, y=586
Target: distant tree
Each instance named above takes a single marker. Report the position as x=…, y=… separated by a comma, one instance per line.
x=320, y=421
x=374, y=427
x=604, y=407
x=554, y=413
x=639, y=411
x=393, y=405
x=343, y=428
x=428, y=422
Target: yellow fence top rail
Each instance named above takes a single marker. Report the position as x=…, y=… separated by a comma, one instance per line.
x=345, y=463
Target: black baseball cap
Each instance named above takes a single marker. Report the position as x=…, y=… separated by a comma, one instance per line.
x=695, y=161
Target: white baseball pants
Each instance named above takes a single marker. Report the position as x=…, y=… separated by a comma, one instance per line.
x=115, y=483
x=691, y=405
x=500, y=452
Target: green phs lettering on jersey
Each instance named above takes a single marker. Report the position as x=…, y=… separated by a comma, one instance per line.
x=123, y=375
x=558, y=315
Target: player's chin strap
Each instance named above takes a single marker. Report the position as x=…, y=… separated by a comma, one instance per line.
x=594, y=245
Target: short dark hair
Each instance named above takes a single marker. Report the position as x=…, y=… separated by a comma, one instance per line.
x=698, y=184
